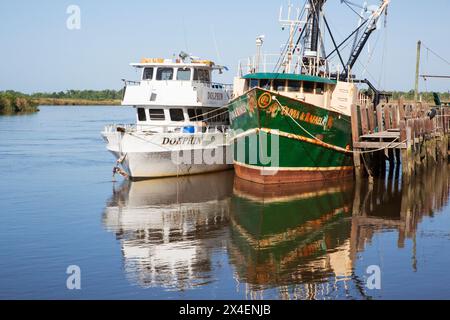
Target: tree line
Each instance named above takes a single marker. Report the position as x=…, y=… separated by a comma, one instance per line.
x=94, y=95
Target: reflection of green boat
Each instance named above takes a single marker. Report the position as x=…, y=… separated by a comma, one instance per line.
x=284, y=233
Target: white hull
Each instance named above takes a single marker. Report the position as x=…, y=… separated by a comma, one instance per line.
x=162, y=155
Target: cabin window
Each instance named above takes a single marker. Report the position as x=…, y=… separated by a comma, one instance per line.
x=294, y=86
x=264, y=83
x=148, y=74
x=202, y=75
x=164, y=74
x=253, y=83
x=184, y=74
x=308, y=87
x=320, y=88
x=141, y=114
x=157, y=114
x=195, y=115
x=176, y=115
x=279, y=85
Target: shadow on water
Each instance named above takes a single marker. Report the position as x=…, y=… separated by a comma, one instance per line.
x=285, y=242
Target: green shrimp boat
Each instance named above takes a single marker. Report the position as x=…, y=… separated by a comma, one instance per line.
x=294, y=124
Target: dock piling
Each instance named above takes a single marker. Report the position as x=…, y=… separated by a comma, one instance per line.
x=408, y=135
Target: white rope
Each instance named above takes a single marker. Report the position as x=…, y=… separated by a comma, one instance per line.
x=207, y=113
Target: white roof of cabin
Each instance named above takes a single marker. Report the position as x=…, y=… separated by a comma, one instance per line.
x=176, y=65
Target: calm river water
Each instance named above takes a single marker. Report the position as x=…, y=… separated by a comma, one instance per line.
x=204, y=237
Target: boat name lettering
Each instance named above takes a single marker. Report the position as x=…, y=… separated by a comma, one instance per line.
x=182, y=141
x=326, y=122
x=215, y=96
x=238, y=111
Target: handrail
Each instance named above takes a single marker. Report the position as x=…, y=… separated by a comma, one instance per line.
x=129, y=82
x=165, y=128
x=214, y=85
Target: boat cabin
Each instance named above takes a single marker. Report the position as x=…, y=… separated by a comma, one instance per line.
x=182, y=119
x=315, y=90
x=167, y=82
x=173, y=95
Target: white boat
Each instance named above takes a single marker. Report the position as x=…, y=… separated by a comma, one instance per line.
x=182, y=125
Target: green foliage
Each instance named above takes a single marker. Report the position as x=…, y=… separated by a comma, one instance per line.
x=82, y=95
x=12, y=102
x=426, y=96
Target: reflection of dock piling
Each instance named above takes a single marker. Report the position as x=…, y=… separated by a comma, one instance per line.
x=410, y=135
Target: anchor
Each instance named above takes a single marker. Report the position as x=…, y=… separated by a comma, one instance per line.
x=118, y=170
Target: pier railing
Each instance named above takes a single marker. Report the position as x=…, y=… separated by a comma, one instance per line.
x=404, y=131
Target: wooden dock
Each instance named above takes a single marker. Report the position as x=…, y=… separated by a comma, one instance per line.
x=408, y=136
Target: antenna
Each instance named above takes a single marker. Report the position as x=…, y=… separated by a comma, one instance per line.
x=259, y=44
x=292, y=24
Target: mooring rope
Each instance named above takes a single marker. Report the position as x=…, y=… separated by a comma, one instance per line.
x=333, y=146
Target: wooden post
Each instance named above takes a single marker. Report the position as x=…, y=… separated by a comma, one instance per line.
x=401, y=106
x=406, y=135
x=380, y=118
x=371, y=114
x=387, y=117
x=416, y=89
x=355, y=138
x=364, y=120
x=395, y=116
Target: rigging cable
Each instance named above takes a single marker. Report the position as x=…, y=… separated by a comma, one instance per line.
x=437, y=55
x=348, y=5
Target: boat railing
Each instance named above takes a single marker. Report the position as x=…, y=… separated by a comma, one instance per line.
x=214, y=85
x=208, y=84
x=131, y=83
x=268, y=63
x=147, y=128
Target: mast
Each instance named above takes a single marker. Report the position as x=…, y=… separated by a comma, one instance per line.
x=293, y=24
x=312, y=56
x=316, y=8
x=371, y=27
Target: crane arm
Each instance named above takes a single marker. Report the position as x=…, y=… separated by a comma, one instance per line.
x=372, y=25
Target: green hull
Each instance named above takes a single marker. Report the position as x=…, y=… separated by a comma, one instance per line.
x=309, y=139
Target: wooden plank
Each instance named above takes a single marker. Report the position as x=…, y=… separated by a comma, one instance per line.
x=372, y=121
x=355, y=124
x=403, y=136
x=410, y=126
x=355, y=137
x=379, y=145
x=382, y=135
x=380, y=124
x=364, y=120
x=402, y=111
x=395, y=116
x=387, y=117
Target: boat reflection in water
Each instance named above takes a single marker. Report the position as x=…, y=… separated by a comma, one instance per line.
x=168, y=228
x=291, y=236
x=304, y=242
x=282, y=242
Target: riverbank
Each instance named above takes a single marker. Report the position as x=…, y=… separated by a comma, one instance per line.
x=13, y=104
x=75, y=102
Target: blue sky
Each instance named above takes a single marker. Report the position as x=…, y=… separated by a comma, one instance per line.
x=38, y=52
